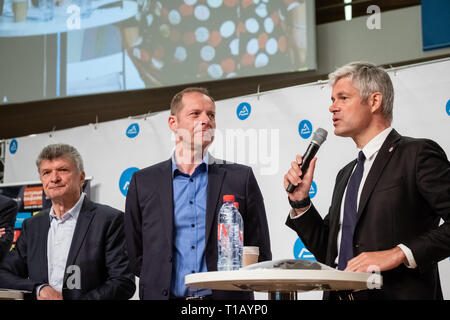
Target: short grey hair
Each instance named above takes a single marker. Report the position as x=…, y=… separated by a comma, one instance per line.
x=368, y=79
x=60, y=150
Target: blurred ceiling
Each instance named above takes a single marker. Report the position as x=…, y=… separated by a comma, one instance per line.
x=20, y=119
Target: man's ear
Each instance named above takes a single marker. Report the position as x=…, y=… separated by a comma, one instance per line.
x=172, y=122
x=375, y=102
x=82, y=179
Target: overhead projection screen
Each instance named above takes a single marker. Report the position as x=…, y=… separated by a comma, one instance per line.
x=58, y=48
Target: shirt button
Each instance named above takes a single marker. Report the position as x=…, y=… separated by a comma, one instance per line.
x=191, y=202
x=192, y=247
x=192, y=271
x=191, y=180
x=193, y=225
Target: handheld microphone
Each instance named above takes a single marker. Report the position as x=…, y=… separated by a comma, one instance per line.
x=319, y=137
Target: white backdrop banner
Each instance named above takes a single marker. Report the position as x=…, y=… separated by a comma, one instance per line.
x=264, y=131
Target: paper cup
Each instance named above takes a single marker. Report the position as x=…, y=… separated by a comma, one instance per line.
x=250, y=256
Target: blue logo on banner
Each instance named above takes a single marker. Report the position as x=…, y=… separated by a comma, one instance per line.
x=132, y=130
x=313, y=190
x=300, y=251
x=243, y=110
x=447, y=108
x=305, y=129
x=13, y=146
x=125, y=178
x=20, y=217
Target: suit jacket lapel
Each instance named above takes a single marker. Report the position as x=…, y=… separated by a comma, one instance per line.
x=44, y=226
x=87, y=212
x=341, y=185
x=166, y=198
x=383, y=157
x=215, y=178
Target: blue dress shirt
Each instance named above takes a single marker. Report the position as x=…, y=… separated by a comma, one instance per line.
x=189, y=197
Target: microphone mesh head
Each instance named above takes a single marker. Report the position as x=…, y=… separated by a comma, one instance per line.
x=319, y=136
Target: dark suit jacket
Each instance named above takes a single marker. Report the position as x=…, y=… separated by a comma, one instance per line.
x=8, y=211
x=98, y=248
x=406, y=193
x=149, y=221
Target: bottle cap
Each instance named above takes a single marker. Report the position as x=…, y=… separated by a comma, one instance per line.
x=228, y=198
x=236, y=204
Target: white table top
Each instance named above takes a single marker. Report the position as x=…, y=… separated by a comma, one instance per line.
x=7, y=294
x=60, y=23
x=267, y=280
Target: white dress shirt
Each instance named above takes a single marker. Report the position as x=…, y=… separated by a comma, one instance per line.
x=370, y=151
x=59, y=240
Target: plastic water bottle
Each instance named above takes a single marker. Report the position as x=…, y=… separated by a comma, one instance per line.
x=229, y=236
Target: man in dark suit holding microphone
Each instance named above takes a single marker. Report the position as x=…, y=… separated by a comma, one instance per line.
x=387, y=204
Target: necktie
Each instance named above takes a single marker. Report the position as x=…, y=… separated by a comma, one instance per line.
x=350, y=209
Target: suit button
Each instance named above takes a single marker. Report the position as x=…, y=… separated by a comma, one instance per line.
x=170, y=258
x=165, y=292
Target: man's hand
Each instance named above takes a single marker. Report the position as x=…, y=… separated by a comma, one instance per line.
x=303, y=185
x=377, y=260
x=2, y=232
x=48, y=293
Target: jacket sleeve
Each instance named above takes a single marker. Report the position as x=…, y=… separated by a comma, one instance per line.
x=433, y=181
x=14, y=268
x=7, y=218
x=256, y=229
x=313, y=230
